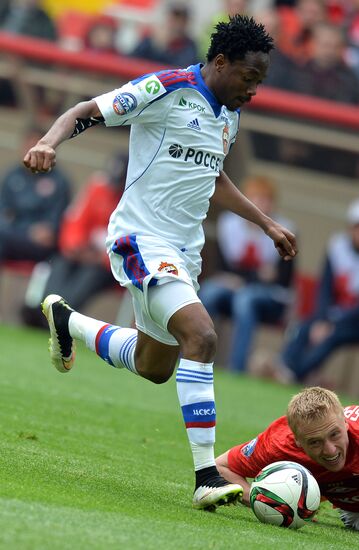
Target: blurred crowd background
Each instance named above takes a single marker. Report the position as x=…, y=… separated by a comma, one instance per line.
x=297, y=157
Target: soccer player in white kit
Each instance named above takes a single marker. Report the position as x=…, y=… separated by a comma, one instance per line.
x=183, y=123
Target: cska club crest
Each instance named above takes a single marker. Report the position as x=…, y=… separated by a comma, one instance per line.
x=225, y=138
x=168, y=268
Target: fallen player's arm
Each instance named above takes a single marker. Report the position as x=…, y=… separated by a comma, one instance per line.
x=42, y=157
x=229, y=475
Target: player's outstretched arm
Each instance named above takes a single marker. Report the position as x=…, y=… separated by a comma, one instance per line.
x=232, y=477
x=42, y=157
x=228, y=196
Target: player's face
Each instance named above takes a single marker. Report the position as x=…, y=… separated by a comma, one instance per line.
x=325, y=441
x=237, y=82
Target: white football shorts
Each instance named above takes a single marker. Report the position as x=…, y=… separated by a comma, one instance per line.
x=146, y=265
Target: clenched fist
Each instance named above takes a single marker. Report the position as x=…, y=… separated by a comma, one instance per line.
x=40, y=158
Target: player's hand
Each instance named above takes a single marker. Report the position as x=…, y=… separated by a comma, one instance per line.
x=40, y=158
x=284, y=240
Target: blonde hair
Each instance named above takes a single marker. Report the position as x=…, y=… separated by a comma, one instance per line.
x=311, y=404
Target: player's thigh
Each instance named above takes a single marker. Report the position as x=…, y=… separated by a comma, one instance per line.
x=175, y=316
x=155, y=360
x=176, y=307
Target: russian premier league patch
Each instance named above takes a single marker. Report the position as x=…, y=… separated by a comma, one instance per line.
x=124, y=103
x=248, y=449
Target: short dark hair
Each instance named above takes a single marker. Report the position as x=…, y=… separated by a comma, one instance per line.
x=240, y=35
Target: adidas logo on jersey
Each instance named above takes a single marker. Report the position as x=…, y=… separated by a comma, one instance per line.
x=194, y=124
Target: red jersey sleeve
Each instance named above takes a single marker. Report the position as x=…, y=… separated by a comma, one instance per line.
x=249, y=458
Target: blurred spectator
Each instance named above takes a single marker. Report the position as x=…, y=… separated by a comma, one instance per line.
x=169, y=42
x=4, y=10
x=230, y=8
x=31, y=208
x=101, y=35
x=282, y=68
x=297, y=24
x=7, y=96
x=336, y=320
x=337, y=10
x=81, y=268
x=254, y=286
x=326, y=74
x=352, y=28
x=29, y=18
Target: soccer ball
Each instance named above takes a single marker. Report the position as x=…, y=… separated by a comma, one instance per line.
x=285, y=494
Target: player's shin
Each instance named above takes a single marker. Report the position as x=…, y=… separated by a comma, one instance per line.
x=115, y=345
x=196, y=397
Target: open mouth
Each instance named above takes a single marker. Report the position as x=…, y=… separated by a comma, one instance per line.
x=332, y=460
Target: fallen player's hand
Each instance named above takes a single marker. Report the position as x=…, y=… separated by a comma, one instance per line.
x=40, y=158
x=350, y=519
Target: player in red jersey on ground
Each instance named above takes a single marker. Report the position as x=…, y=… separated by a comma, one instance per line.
x=317, y=433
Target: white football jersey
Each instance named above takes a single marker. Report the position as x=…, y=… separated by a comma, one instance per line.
x=179, y=138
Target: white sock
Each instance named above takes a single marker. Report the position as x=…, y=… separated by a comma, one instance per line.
x=196, y=396
x=115, y=345
x=85, y=329
x=203, y=456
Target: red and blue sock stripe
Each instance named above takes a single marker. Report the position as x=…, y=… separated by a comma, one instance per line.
x=102, y=342
x=200, y=415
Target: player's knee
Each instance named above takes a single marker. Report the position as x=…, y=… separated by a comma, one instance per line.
x=209, y=340
x=201, y=343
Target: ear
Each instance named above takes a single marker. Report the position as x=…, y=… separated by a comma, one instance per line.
x=219, y=62
x=297, y=443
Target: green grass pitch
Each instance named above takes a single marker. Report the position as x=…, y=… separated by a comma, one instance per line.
x=99, y=459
